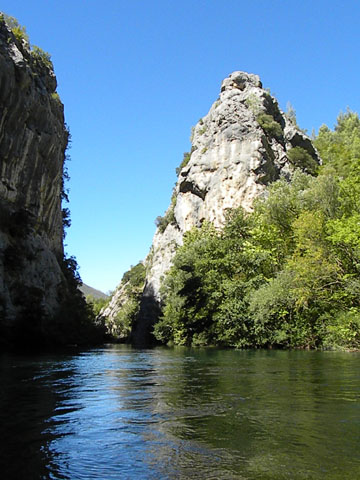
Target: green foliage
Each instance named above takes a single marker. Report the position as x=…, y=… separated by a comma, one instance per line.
x=55, y=96
x=96, y=304
x=124, y=320
x=286, y=275
x=18, y=30
x=185, y=161
x=134, y=277
x=291, y=114
x=254, y=104
x=163, y=222
x=41, y=57
x=168, y=218
x=132, y=285
x=340, y=148
x=75, y=322
x=66, y=221
x=343, y=329
x=300, y=158
x=270, y=126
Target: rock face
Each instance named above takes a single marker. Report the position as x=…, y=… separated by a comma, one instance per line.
x=238, y=148
x=123, y=307
x=33, y=139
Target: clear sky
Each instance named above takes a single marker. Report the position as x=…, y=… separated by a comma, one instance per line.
x=135, y=75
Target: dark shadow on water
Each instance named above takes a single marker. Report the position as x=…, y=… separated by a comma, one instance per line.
x=30, y=394
x=118, y=412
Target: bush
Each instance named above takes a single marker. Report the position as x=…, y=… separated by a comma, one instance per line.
x=270, y=126
x=41, y=57
x=169, y=217
x=300, y=158
x=185, y=161
x=18, y=30
x=55, y=96
x=343, y=330
x=163, y=222
x=135, y=276
x=124, y=320
x=96, y=304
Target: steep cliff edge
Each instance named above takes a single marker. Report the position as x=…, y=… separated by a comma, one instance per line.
x=34, y=278
x=243, y=144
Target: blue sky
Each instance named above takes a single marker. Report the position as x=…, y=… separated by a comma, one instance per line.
x=136, y=75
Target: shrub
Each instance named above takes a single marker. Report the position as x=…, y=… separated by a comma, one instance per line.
x=124, y=320
x=163, y=222
x=41, y=57
x=269, y=125
x=343, y=330
x=18, y=30
x=66, y=221
x=185, y=161
x=254, y=104
x=135, y=276
x=132, y=282
x=169, y=217
x=300, y=158
x=96, y=304
x=55, y=96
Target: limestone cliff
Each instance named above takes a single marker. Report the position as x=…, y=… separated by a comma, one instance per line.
x=33, y=140
x=239, y=147
x=123, y=307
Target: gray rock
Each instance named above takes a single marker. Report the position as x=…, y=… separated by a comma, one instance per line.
x=33, y=139
x=233, y=159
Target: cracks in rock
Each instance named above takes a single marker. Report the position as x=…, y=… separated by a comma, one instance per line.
x=7, y=185
x=267, y=171
x=188, y=186
x=185, y=173
x=302, y=141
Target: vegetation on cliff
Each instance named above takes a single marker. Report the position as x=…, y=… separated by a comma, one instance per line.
x=127, y=300
x=40, y=302
x=285, y=275
x=38, y=55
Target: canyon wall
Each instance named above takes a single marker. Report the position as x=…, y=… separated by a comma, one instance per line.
x=238, y=148
x=35, y=280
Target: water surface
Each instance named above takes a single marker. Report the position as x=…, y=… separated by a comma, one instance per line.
x=121, y=413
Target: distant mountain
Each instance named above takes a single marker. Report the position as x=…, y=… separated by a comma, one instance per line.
x=86, y=290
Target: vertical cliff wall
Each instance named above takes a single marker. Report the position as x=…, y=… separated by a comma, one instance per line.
x=238, y=148
x=243, y=144
x=33, y=140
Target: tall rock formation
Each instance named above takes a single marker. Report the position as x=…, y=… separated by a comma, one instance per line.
x=238, y=148
x=33, y=138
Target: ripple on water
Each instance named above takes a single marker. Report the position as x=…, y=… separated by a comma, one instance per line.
x=116, y=412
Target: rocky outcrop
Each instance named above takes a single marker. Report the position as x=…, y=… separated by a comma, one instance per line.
x=123, y=307
x=238, y=148
x=33, y=140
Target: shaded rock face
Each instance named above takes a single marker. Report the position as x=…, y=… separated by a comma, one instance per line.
x=238, y=148
x=117, y=302
x=33, y=139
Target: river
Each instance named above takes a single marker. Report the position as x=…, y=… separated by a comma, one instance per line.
x=120, y=413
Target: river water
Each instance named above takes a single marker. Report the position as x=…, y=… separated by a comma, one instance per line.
x=121, y=413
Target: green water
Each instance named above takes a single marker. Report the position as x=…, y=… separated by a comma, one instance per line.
x=121, y=413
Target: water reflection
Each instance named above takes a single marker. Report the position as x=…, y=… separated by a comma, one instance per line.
x=181, y=414
x=29, y=397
